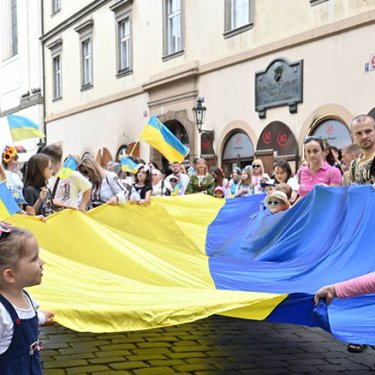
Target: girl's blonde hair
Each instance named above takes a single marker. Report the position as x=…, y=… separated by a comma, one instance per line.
x=248, y=181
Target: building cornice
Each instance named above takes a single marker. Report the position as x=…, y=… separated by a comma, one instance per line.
x=322, y=32
x=72, y=20
x=96, y=103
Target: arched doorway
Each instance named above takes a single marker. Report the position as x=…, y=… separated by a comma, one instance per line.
x=277, y=142
x=237, y=152
x=335, y=131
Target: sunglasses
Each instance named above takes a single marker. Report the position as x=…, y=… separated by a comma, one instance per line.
x=311, y=138
x=5, y=229
x=172, y=180
x=275, y=203
x=256, y=166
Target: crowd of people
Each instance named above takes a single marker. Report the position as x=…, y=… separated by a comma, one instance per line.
x=41, y=192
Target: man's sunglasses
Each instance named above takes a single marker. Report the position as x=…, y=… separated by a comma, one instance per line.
x=5, y=229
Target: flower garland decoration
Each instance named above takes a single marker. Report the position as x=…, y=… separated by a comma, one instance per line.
x=9, y=153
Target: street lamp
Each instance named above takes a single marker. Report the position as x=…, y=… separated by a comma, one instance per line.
x=199, y=112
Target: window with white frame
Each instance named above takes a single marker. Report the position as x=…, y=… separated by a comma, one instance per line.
x=174, y=26
x=237, y=15
x=85, y=31
x=86, y=51
x=124, y=45
x=56, y=68
x=56, y=5
x=123, y=17
x=9, y=28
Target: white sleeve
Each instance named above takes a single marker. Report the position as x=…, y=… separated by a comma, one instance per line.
x=80, y=181
x=293, y=183
x=6, y=329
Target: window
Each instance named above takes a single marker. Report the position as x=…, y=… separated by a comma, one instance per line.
x=316, y=2
x=237, y=16
x=123, y=17
x=85, y=31
x=57, y=93
x=56, y=6
x=124, y=45
x=9, y=29
x=173, y=27
x=86, y=62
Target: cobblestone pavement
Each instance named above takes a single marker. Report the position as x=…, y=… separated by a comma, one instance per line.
x=217, y=345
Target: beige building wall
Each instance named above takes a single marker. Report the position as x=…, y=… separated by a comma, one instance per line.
x=334, y=39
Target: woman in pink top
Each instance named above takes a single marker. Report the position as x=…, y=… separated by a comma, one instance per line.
x=318, y=172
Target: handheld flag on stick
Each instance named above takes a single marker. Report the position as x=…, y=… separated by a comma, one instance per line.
x=70, y=165
x=160, y=137
x=23, y=128
x=8, y=205
x=128, y=165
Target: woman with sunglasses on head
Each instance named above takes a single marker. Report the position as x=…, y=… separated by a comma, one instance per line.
x=36, y=192
x=318, y=172
x=106, y=186
x=258, y=175
x=20, y=268
x=14, y=183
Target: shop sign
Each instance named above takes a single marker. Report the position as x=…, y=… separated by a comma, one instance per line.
x=278, y=137
x=239, y=146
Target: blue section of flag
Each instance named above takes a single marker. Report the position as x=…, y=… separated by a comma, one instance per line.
x=8, y=205
x=16, y=121
x=327, y=237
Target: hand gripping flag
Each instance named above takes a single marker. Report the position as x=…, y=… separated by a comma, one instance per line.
x=70, y=165
x=23, y=128
x=160, y=137
x=8, y=205
x=128, y=165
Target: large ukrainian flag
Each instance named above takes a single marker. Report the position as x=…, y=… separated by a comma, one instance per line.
x=131, y=267
x=160, y=137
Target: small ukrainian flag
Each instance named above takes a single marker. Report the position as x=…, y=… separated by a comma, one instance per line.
x=128, y=165
x=8, y=205
x=70, y=165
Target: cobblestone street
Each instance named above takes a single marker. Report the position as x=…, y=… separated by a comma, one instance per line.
x=217, y=345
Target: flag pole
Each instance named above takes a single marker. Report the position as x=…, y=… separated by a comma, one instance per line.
x=133, y=148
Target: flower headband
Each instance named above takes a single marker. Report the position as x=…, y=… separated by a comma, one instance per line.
x=9, y=153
